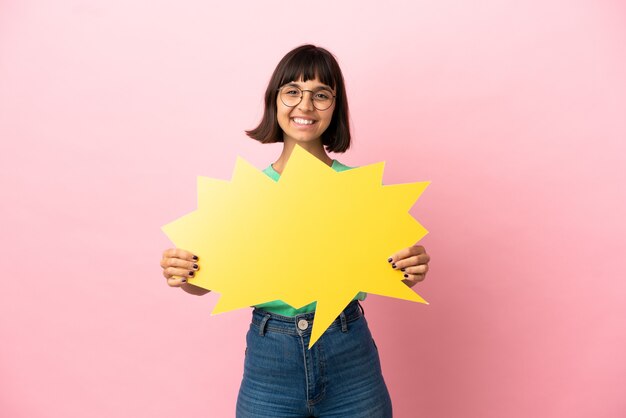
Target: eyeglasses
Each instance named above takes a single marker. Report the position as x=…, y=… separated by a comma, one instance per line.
x=292, y=95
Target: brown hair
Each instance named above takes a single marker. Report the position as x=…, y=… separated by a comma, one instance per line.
x=307, y=62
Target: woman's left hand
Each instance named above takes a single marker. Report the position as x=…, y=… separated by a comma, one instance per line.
x=413, y=261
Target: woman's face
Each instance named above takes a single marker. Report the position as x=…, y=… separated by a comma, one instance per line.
x=303, y=122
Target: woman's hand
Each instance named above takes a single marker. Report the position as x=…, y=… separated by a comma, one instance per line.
x=179, y=265
x=413, y=261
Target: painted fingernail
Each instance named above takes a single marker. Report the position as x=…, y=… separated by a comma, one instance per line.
x=195, y=258
x=191, y=273
x=184, y=280
x=393, y=265
x=401, y=269
x=195, y=266
x=389, y=260
x=406, y=275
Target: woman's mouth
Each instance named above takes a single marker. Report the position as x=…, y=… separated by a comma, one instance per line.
x=303, y=122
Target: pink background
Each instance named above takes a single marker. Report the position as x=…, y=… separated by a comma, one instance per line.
x=514, y=110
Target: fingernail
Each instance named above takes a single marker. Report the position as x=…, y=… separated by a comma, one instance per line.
x=406, y=275
x=393, y=265
x=184, y=280
x=195, y=258
x=195, y=266
x=389, y=260
x=191, y=273
x=401, y=269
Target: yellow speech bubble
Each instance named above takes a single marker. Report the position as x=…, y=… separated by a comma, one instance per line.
x=314, y=235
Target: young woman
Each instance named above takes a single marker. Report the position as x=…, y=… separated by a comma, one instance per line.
x=340, y=376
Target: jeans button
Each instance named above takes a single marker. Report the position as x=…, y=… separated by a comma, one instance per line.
x=303, y=324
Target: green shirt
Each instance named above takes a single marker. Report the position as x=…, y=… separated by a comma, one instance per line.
x=278, y=306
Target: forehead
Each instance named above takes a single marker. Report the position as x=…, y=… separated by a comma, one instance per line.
x=303, y=71
x=309, y=84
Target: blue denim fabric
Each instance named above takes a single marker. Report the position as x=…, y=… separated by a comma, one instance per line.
x=339, y=377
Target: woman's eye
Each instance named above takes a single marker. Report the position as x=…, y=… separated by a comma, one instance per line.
x=292, y=92
x=322, y=96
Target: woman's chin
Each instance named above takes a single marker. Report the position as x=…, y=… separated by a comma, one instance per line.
x=305, y=139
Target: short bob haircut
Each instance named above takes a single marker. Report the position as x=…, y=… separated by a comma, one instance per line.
x=307, y=62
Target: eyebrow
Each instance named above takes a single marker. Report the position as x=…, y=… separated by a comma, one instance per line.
x=322, y=87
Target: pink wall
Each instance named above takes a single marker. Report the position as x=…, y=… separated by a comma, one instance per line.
x=514, y=110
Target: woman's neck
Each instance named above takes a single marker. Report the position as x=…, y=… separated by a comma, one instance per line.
x=315, y=148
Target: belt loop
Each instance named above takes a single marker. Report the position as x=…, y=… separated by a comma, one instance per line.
x=344, y=323
x=361, y=307
x=263, y=324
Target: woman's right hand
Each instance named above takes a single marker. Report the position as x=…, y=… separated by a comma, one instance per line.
x=178, y=265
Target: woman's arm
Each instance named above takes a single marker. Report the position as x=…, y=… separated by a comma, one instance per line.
x=194, y=290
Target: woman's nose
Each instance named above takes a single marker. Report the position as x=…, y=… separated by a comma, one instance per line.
x=307, y=101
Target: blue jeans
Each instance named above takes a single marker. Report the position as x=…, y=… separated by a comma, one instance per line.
x=339, y=376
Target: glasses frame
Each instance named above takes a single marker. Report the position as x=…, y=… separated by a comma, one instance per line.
x=302, y=97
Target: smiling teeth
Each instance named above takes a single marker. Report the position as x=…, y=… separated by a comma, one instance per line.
x=303, y=121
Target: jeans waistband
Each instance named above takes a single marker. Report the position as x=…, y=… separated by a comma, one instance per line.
x=268, y=321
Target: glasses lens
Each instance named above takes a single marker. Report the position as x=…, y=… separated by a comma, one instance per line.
x=290, y=95
x=323, y=99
